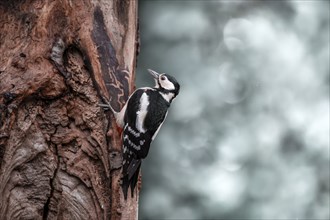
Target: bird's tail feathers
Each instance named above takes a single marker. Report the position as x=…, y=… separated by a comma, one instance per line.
x=134, y=180
x=130, y=177
x=125, y=185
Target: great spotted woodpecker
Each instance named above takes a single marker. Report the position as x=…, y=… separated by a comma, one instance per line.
x=141, y=118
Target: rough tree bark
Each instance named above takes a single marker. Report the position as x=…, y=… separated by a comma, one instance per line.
x=60, y=153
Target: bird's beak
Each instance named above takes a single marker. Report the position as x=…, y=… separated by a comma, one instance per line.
x=154, y=74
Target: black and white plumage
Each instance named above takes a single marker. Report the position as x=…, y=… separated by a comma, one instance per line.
x=141, y=118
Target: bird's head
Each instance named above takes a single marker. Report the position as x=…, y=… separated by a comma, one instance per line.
x=165, y=83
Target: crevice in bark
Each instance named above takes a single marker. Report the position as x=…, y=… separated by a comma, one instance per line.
x=46, y=208
x=57, y=56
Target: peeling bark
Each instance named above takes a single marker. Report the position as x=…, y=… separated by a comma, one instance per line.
x=60, y=153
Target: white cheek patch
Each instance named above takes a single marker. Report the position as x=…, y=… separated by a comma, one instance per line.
x=157, y=85
x=166, y=84
x=168, y=97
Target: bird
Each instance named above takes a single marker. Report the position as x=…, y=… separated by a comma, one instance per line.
x=141, y=118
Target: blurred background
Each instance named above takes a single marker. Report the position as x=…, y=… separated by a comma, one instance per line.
x=248, y=136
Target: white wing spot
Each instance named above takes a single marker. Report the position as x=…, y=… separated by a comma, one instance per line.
x=136, y=147
x=142, y=113
x=136, y=134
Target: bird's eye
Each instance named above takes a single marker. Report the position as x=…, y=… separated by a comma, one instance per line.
x=162, y=77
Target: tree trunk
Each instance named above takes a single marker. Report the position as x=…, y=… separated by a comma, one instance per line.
x=60, y=153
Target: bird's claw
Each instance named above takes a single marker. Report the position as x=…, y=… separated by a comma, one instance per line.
x=106, y=105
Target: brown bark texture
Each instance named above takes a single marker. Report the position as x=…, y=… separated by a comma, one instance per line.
x=60, y=153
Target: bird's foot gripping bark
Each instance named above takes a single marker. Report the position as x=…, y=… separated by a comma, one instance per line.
x=106, y=105
x=119, y=116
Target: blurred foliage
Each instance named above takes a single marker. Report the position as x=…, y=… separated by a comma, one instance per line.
x=248, y=136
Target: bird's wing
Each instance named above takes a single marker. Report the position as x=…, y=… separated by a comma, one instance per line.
x=156, y=114
x=146, y=111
